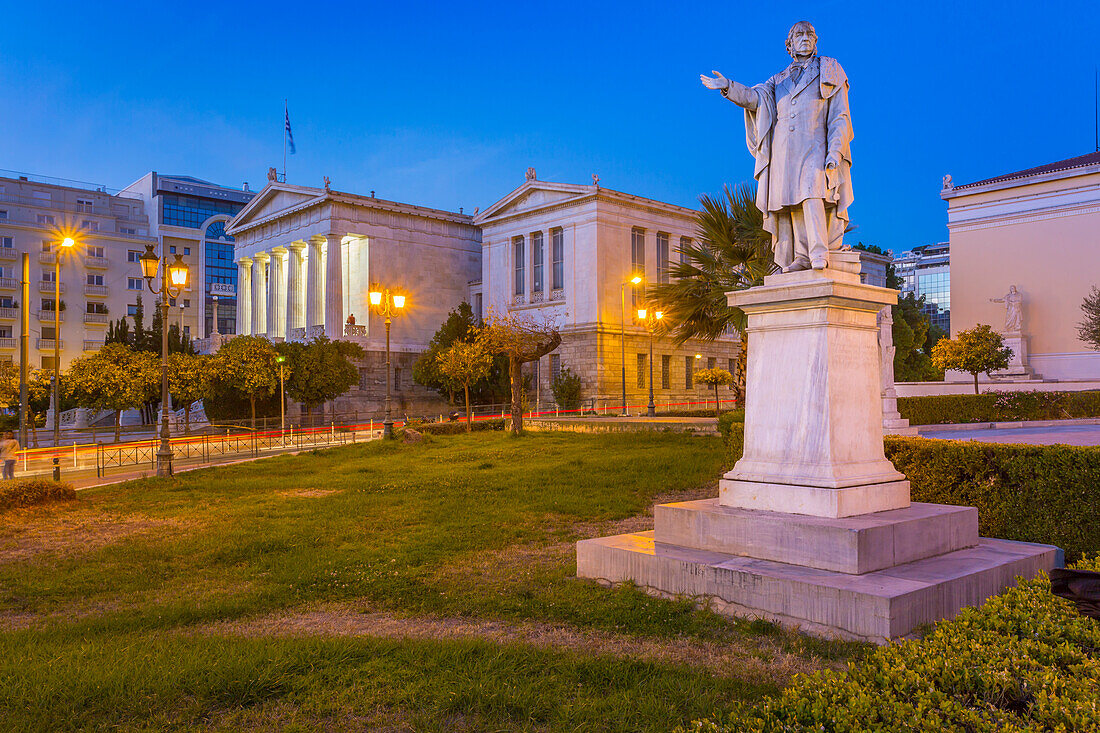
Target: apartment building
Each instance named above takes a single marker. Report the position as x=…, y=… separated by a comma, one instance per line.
x=98, y=277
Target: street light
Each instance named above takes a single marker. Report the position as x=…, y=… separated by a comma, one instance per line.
x=387, y=305
x=650, y=322
x=282, y=394
x=66, y=243
x=634, y=281
x=173, y=280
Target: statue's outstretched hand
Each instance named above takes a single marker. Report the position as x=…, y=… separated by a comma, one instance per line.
x=717, y=81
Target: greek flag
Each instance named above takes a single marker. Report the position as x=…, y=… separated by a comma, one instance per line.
x=289, y=134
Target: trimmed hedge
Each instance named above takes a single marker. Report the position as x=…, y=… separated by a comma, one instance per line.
x=457, y=428
x=22, y=492
x=999, y=407
x=1023, y=661
x=700, y=413
x=1030, y=493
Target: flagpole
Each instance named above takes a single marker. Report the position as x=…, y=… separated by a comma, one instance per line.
x=286, y=115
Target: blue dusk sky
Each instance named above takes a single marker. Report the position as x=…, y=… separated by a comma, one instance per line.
x=447, y=105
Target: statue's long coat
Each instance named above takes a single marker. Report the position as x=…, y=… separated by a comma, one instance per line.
x=794, y=127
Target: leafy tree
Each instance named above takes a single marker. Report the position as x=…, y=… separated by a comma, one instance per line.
x=911, y=327
x=143, y=339
x=716, y=378
x=979, y=349
x=522, y=339
x=320, y=370
x=189, y=378
x=567, y=389
x=114, y=378
x=463, y=364
x=9, y=384
x=246, y=364
x=732, y=251
x=1088, y=330
x=460, y=325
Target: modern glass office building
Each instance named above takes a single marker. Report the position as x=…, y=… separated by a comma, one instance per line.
x=926, y=270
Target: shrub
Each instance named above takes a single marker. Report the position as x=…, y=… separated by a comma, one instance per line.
x=1023, y=661
x=727, y=420
x=567, y=389
x=458, y=428
x=999, y=406
x=31, y=491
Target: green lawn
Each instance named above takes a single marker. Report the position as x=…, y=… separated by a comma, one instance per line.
x=424, y=587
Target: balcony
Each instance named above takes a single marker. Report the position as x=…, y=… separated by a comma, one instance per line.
x=355, y=330
x=9, y=283
x=96, y=318
x=46, y=286
x=9, y=253
x=557, y=294
x=8, y=343
x=47, y=258
x=96, y=262
x=9, y=314
x=48, y=344
x=47, y=316
x=95, y=290
x=92, y=345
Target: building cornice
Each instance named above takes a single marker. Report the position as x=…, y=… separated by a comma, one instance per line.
x=971, y=189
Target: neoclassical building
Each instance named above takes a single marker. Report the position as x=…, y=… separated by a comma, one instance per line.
x=566, y=253
x=1037, y=229
x=308, y=257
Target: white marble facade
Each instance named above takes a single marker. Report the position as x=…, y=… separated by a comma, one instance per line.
x=307, y=258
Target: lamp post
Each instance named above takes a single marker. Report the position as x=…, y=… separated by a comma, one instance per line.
x=282, y=395
x=622, y=330
x=173, y=280
x=650, y=321
x=387, y=305
x=66, y=243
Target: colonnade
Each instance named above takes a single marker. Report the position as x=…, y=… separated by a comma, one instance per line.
x=293, y=291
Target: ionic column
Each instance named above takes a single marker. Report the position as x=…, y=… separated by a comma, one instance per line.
x=259, y=294
x=315, y=287
x=244, y=296
x=276, y=288
x=334, y=288
x=295, y=311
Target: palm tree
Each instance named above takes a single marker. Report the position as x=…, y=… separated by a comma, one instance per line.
x=732, y=251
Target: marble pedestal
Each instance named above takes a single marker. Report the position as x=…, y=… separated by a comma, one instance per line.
x=892, y=421
x=813, y=527
x=1017, y=366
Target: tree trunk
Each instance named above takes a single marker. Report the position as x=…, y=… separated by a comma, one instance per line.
x=975, y=382
x=469, y=413
x=742, y=370
x=118, y=425
x=515, y=373
x=252, y=402
x=716, y=400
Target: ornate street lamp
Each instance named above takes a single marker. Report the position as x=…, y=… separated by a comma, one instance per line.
x=66, y=243
x=173, y=280
x=634, y=282
x=650, y=321
x=387, y=305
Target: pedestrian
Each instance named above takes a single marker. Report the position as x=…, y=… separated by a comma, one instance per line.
x=9, y=447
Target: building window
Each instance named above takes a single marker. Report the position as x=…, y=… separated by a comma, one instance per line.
x=7, y=242
x=134, y=283
x=47, y=305
x=689, y=364
x=172, y=249
x=46, y=219
x=685, y=242
x=637, y=261
x=555, y=367
x=47, y=245
x=187, y=332
x=48, y=332
x=84, y=205
x=186, y=250
x=711, y=362
x=477, y=306
x=7, y=302
x=5, y=332
x=520, y=269
x=662, y=257
x=732, y=370
x=92, y=307
x=132, y=309
x=133, y=256
x=666, y=371
x=364, y=378
x=95, y=279
x=172, y=302
x=186, y=302
x=47, y=276
x=557, y=258
x=3, y=214
x=89, y=225
x=96, y=250
x=47, y=361
x=641, y=371
x=536, y=261
x=127, y=230
x=397, y=378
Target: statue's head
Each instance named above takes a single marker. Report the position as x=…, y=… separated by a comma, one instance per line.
x=1012, y=289
x=802, y=39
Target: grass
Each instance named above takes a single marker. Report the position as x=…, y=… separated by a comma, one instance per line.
x=158, y=603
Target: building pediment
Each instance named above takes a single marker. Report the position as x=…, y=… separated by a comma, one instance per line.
x=276, y=199
x=532, y=196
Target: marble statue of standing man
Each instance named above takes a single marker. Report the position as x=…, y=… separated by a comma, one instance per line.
x=799, y=129
x=1014, y=303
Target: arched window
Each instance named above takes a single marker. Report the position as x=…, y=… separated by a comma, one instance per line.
x=216, y=231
